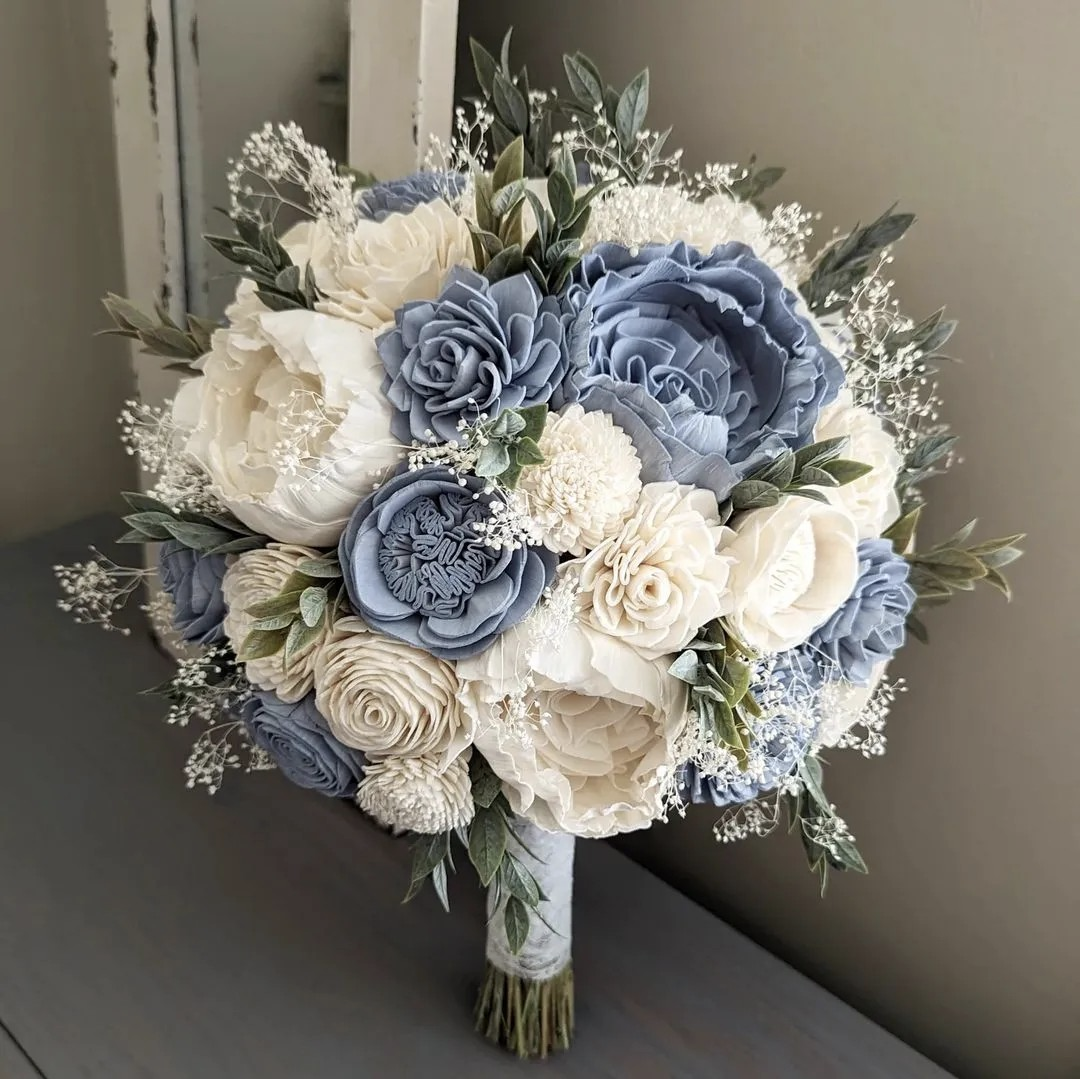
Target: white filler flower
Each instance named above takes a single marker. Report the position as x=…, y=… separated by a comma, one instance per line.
x=587, y=484
x=290, y=422
x=871, y=500
x=415, y=794
x=594, y=751
x=661, y=577
x=794, y=564
x=387, y=698
x=255, y=577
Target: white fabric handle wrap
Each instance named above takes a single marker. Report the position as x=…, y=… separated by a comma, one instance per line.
x=550, y=859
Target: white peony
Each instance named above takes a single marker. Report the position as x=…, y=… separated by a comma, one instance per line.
x=870, y=500
x=587, y=484
x=661, y=577
x=255, y=577
x=416, y=794
x=383, y=264
x=596, y=751
x=290, y=422
x=387, y=698
x=841, y=705
x=794, y=564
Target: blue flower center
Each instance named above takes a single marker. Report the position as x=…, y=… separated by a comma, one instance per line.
x=432, y=557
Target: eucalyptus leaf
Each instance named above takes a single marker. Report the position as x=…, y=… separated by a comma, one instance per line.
x=516, y=924
x=487, y=843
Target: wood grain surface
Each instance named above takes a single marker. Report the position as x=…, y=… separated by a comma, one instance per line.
x=151, y=931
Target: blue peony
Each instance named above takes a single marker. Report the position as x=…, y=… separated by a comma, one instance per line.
x=480, y=347
x=869, y=628
x=417, y=568
x=401, y=196
x=704, y=360
x=299, y=742
x=193, y=581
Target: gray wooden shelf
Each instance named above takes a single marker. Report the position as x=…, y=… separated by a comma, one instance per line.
x=150, y=931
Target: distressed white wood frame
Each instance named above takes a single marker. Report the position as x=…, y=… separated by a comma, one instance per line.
x=401, y=81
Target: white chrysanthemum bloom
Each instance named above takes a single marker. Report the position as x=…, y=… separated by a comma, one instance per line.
x=384, y=264
x=387, y=698
x=793, y=565
x=871, y=500
x=841, y=706
x=592, y=748
x=416, y=794
x=255, y=577
x=663, y=576
x=289, y=421
x=587, y=484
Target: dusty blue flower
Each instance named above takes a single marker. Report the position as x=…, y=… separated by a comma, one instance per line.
x=480, y=347
x=417, y=568
x=193, y=581
x=299, y=742
x=401, y=196
x=704, y=360
x=869, y=628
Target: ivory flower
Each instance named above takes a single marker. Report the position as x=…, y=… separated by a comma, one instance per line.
x=387, y=698
x=290, y=422
x=794, y=565
x=415, y=794
x=255, y=577
x=661, y=577
x=587, y=484
x=870, y=500
x=383, y=264
x=595, y=752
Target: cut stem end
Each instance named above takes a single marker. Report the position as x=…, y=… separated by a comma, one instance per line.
x=529, y=1018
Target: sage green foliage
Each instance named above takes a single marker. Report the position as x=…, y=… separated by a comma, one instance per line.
x=794, y=472
x=808, y=811
x=487, y=838
x=756, y=182
x=310, y=601
x=281, y=285
x=512, y=442
x=845, y=263
x=152, y=521
x=715, y=668
x=160, y=336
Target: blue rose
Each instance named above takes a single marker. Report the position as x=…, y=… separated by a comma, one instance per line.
x=869, y=628
x=400, y=196
x=417, y=568
x=704, y=360
x=193, y=581
x=299, y=742
x=480, y=347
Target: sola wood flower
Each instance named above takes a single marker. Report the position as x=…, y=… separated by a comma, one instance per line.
x=387, y=698
x=255, y=577
x=587, y=484
x=661, y=578
x=417, y=794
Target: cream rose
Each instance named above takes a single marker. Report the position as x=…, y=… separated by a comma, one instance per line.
x=290, y=422
x=255, y=577
x=383, y=264
x=387, y=698
x=793, y=565
x=417, y=794
x=661, y=577
x=596, y=752
x=870, y=500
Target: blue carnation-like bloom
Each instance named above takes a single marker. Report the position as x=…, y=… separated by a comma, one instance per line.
x=869, y=628
x=400, y=196
x=704, y=360
x=480, y=347
x=193, y=581
x=299, y=742
x=417, y=568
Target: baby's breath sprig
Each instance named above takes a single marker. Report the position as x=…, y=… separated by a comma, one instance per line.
x=95, y=591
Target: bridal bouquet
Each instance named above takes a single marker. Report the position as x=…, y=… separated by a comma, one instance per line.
x=537, y=495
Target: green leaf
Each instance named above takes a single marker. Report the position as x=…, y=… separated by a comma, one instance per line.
x=737, y=675
x=285, y=603
x=486, y=785
x=487, y=843
x=535, y=418
x=313, y=605
x=277, y=302
x=152, y=524
x=320, y=567
x=506, y=263
x=289, y=279
x=125, y=314
x=428, y=851
x=818, y=453
x=902, y=531
x=239, y=544
x=632, y=107
x=687, y=668
x=811, y=774
x=527, y=452
x=145, y=503
x=844, y=471
x=585, y=85
x=779, y=472
x=516, y=924
x=493, y=461
x=260, y=643
x=438, y=882
x=519, y=882
x=917, y=629
x=929, y=450
x=510, y=165
x=561, y=196
x=754, y=494
x=812, y=476
x=301, y=637
x=508, y=199
x=276, y=621
x=510, y=105
x=485, y=66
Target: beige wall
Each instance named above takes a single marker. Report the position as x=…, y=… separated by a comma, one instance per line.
x=964, y=939
x=60, y=389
